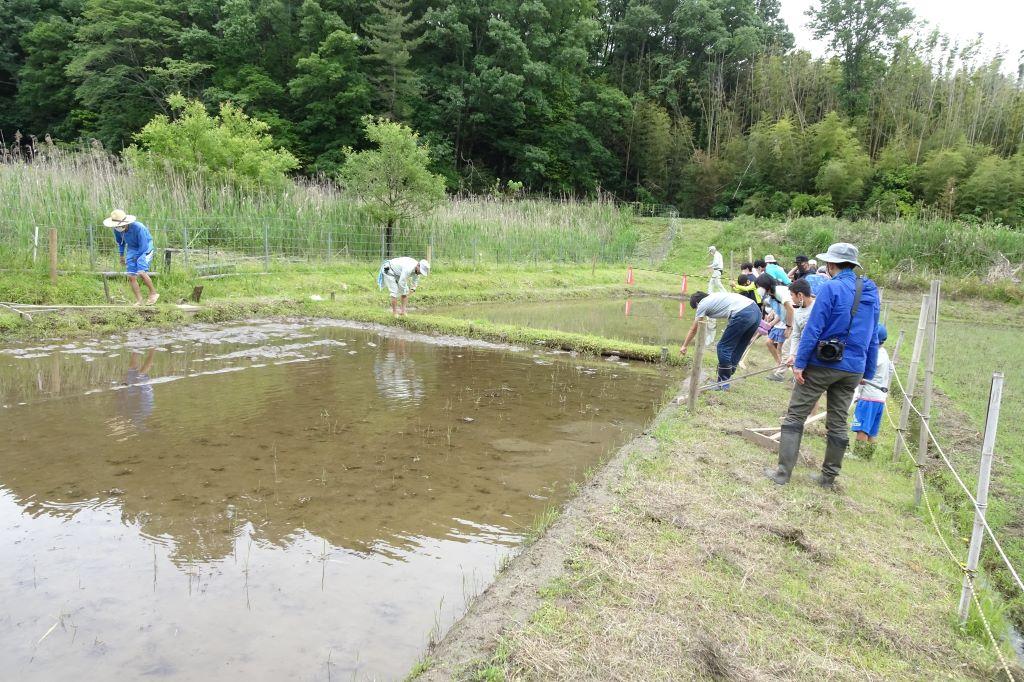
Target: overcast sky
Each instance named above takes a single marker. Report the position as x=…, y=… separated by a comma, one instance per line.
x=1001, y=22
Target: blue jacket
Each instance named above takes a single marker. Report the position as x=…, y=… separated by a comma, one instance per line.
x=829, y=319
x=776, y=271
x=136, y=239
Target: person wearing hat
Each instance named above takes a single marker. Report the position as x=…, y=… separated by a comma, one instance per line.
x=397, y=274
x=871, y=395
x=716, y=267
x=135, y=247
x=838, y=348
x=772, y=267
x=801, y=269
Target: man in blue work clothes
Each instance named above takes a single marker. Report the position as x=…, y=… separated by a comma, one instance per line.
x=135, y=245
x=838, y=348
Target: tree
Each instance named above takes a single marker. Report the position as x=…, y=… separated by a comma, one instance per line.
x=230, y=147
x=861, y=32
x=390, y=45
x=392, y=179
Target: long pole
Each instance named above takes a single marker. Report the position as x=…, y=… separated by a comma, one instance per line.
x=988, y=446
x=698, y=361
x=35, y=244
x=896, y=348
x=53, y=255
x=266, y=247
x=92, y=250
x=184, y=230
x=915, y=359
x=926, y=402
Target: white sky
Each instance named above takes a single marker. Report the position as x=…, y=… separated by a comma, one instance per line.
x=1001, y=22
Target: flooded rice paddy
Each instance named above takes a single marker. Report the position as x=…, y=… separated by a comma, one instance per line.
x=654, y=321
x=274, y=500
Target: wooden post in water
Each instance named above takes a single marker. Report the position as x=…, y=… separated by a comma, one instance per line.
x=926, y=403
x=995, y=398
x=53, y=255
x=698, y=360
x=915, y=358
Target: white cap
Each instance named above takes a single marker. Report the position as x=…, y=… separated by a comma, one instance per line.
x=424, y=267
x=770, y=259
x=711, y=249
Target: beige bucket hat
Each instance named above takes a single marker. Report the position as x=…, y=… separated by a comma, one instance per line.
x=118, y=218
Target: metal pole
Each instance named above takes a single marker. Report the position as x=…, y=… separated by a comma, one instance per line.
x=92, y=250
x=184, y=229
x=926, y=404
x=698, y=360
x=266, y=247
x=995, y=398
x=53, y=255
x=915, y=358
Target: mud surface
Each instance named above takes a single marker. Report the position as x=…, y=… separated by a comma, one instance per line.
x=654, y=321
x=277, y=500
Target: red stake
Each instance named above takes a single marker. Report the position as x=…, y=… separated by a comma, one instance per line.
x=629, y=275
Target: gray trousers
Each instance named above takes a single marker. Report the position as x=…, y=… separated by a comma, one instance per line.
x=839, y=387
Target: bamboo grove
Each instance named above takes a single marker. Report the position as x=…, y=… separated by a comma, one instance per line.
x=702, y=104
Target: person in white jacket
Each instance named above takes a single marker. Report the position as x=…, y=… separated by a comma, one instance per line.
x=871, y=396
x=402, y=276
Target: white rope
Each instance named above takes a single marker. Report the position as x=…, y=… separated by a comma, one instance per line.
x=742, y=376
x=974, y=502
x=952, y=555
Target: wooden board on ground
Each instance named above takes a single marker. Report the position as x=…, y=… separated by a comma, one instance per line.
x=769, y=436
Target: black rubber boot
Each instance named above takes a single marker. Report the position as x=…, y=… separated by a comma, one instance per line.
x=835, y=448
x=789, y=450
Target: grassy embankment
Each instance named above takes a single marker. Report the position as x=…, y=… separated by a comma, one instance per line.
x=690, y=564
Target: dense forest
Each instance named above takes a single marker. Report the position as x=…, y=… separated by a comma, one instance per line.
x=702, y=104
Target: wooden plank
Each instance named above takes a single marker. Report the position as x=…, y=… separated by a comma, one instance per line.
x=760, y=439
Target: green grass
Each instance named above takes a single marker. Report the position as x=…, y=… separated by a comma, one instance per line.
x=701, y=568
x=307, y=220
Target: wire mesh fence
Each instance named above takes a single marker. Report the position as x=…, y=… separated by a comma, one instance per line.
x=210, y=242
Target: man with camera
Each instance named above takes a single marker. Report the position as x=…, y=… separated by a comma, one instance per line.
x=837, y=349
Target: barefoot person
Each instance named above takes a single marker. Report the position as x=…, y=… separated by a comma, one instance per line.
x=743, y=315
x=402, y=276
x=135, y=245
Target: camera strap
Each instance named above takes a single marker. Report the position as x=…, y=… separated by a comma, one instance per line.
x=856, y=303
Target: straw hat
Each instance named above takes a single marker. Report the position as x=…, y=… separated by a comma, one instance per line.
x=118, y=218
x=770, y=259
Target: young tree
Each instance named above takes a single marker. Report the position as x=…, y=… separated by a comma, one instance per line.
x=392, y=179
x=229, y=147
x=391, y=45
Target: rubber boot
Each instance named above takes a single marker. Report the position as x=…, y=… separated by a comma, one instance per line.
x=835, y=448
x=789, y=450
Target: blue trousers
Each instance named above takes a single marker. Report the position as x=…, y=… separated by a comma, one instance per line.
x=736, y=338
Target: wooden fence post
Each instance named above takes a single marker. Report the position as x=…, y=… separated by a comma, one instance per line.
x=926, y=402
x=896, y=348
x=915, y=358
x=698, y=360
x=53, y=255
x=35, y=244
x=995, y=398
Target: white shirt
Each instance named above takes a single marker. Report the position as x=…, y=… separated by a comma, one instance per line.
x=404, y=268
x=778, y=303
x=883, y=375
x=716, y=261
x=800, y=316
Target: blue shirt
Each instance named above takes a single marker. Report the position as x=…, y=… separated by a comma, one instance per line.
x=776, y=271
x=816, y=281
x=830, y=318
x=136, y=239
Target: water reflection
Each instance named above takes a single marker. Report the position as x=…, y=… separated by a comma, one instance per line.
x=261, y=497
x=395, y=373
x=134, y=402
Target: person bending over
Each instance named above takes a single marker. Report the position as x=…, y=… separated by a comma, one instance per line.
x=743, y=315
x=402, y=276
x=135, y=246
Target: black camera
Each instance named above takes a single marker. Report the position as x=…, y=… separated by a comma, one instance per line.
x=831, y=350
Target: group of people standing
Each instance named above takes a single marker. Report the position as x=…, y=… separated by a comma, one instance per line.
x=822, y=324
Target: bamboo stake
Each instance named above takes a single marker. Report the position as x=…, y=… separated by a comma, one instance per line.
x=53, y=255
x=926, y=404
x=995, y=398
x=915, y=359
x=698, y=360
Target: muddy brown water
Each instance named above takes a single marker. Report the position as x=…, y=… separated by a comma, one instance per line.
x=277, y=500
x=650, y=320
